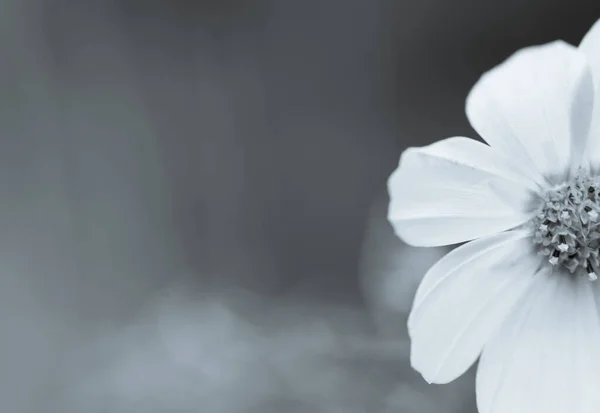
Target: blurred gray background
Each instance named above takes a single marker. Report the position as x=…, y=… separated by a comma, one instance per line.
x=193, y=196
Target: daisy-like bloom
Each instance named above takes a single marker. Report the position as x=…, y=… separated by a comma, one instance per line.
x=522, y=291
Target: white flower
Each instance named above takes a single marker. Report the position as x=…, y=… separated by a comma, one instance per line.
x=520, y=292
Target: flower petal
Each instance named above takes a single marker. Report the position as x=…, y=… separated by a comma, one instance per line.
x=545, y=357
x=456, y=190
x=590, y=46
x=536, y=108
x=464, y=299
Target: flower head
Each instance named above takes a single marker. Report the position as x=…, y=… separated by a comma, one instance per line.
x=521, y=291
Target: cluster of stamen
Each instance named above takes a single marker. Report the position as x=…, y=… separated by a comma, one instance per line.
x=567, y=228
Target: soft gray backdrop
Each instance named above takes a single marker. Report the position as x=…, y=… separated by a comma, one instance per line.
x=193, y=196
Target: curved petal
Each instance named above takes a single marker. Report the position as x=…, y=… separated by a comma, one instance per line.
x=545, y=357
x=464, y=299
x=536, y=108
x=456, y=190
x=590, y=46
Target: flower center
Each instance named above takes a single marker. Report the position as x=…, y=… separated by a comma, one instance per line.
x=567, y=228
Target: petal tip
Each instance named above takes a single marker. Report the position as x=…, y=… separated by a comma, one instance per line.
x=418, y=363
x=592, y=33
